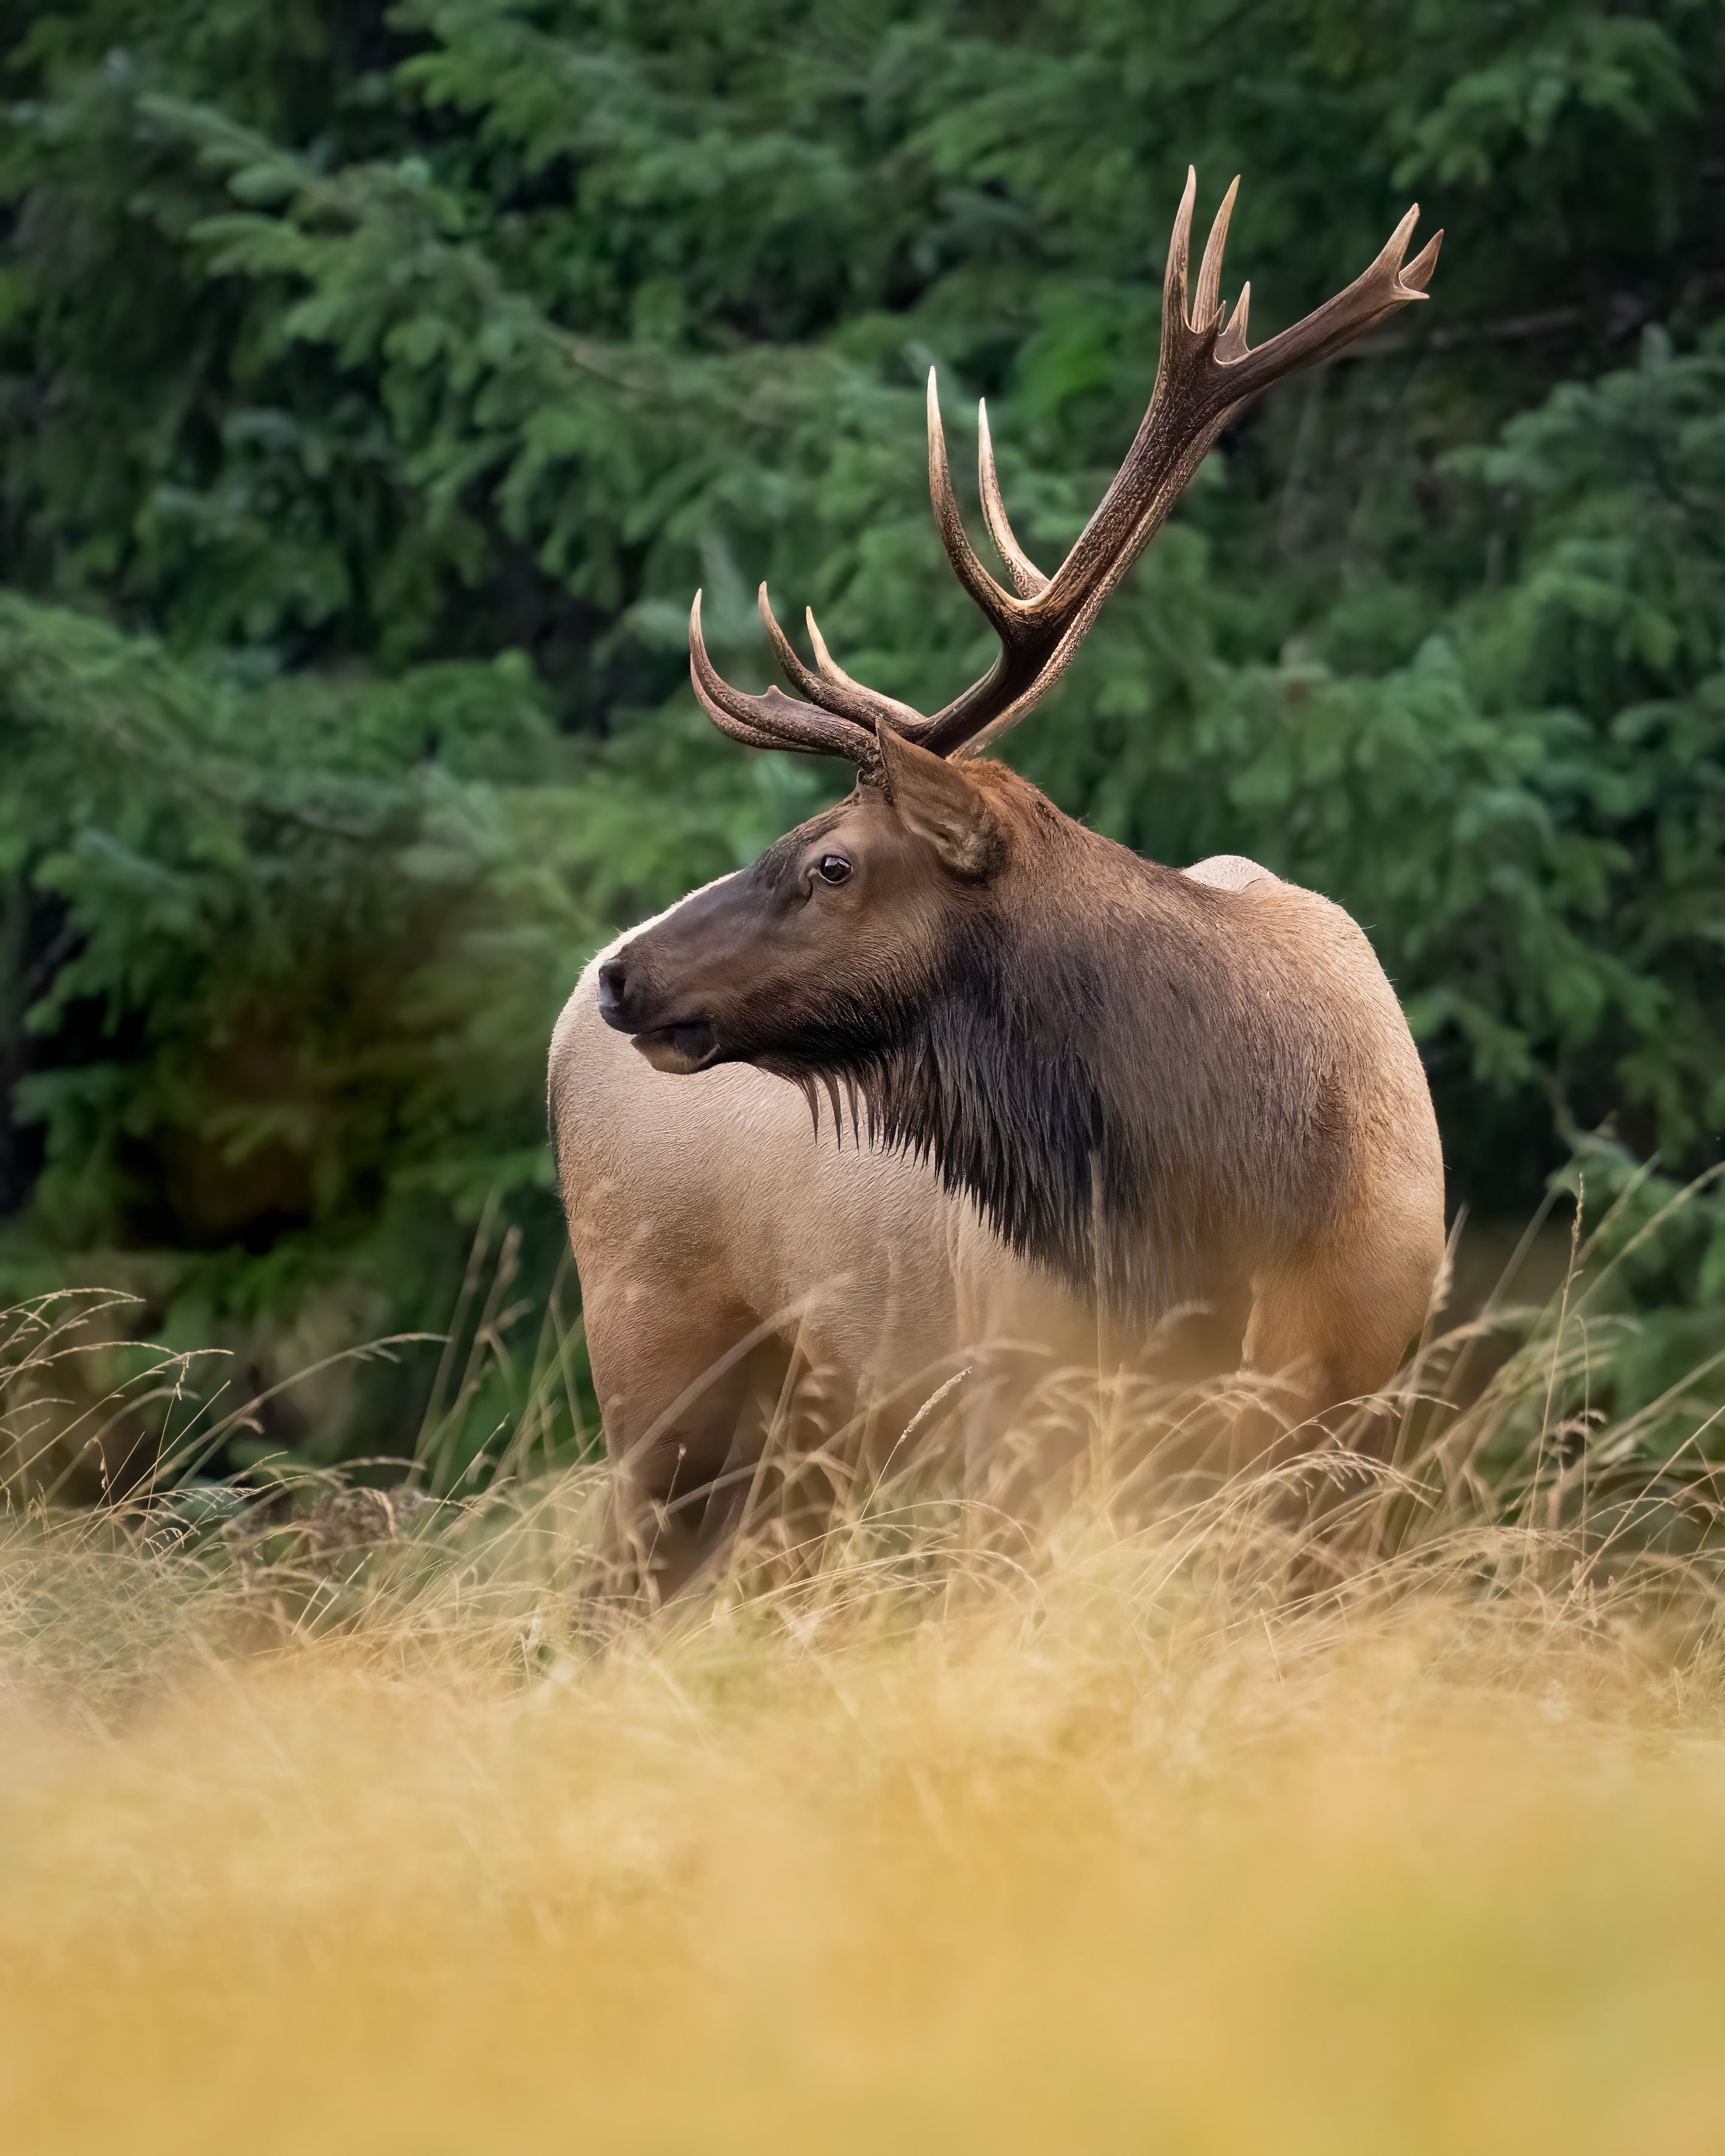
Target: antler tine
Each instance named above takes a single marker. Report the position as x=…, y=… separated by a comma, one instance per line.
x=1179, y=256
x=1231, y=344
x=1376, y=292
x=832, y=689
x=772, y=720
x=1027, y=578
x=823, y=659
x=998, y=606
x=885, y=710
x=1210, y=270
x=1418, y=274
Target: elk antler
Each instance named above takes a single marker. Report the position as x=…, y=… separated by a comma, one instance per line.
x=1206, y=372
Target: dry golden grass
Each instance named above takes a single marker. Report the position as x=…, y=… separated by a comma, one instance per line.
x=1091, y=1835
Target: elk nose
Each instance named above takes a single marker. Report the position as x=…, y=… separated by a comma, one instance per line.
x=613, y=987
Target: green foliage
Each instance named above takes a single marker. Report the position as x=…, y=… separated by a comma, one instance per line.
x=379, y=384
x=299, y=947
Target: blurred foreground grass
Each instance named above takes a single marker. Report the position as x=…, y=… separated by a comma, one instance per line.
x=332, y=1829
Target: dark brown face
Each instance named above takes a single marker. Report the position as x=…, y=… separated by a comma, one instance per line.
x=821, y=947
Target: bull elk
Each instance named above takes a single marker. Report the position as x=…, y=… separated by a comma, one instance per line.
x=1081, y=1075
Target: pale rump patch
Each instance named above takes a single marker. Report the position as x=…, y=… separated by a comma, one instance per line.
x=1228, y=872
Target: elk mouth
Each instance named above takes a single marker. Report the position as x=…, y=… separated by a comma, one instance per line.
x=688, y=1045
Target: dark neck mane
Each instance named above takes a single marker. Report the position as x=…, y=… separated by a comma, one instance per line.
x=1030, y=1079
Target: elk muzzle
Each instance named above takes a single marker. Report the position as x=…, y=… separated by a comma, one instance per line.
x=630, y=1000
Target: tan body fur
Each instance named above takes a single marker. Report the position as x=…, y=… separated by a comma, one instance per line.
x=707, y=1214
x=720, y=1238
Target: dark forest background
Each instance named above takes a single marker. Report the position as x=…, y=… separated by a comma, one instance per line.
x=378, y=382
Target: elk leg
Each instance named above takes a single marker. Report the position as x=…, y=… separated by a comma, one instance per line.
x=687, y=1398
x=1305, y=1336
x=1331, y=1333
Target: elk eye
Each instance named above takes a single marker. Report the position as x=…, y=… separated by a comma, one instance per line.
x=833, y=868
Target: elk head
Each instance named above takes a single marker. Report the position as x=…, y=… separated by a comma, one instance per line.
x=796, y=962
x=817, y=960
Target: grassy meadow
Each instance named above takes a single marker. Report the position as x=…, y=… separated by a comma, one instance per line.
x=382, y=381
x=1356, y=1809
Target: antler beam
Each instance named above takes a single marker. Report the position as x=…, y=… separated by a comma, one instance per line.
x=1206, y=372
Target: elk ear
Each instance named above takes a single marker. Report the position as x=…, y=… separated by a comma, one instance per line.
x=940, y=803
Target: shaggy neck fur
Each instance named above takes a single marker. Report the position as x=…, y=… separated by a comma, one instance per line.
x=1075, y=1065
